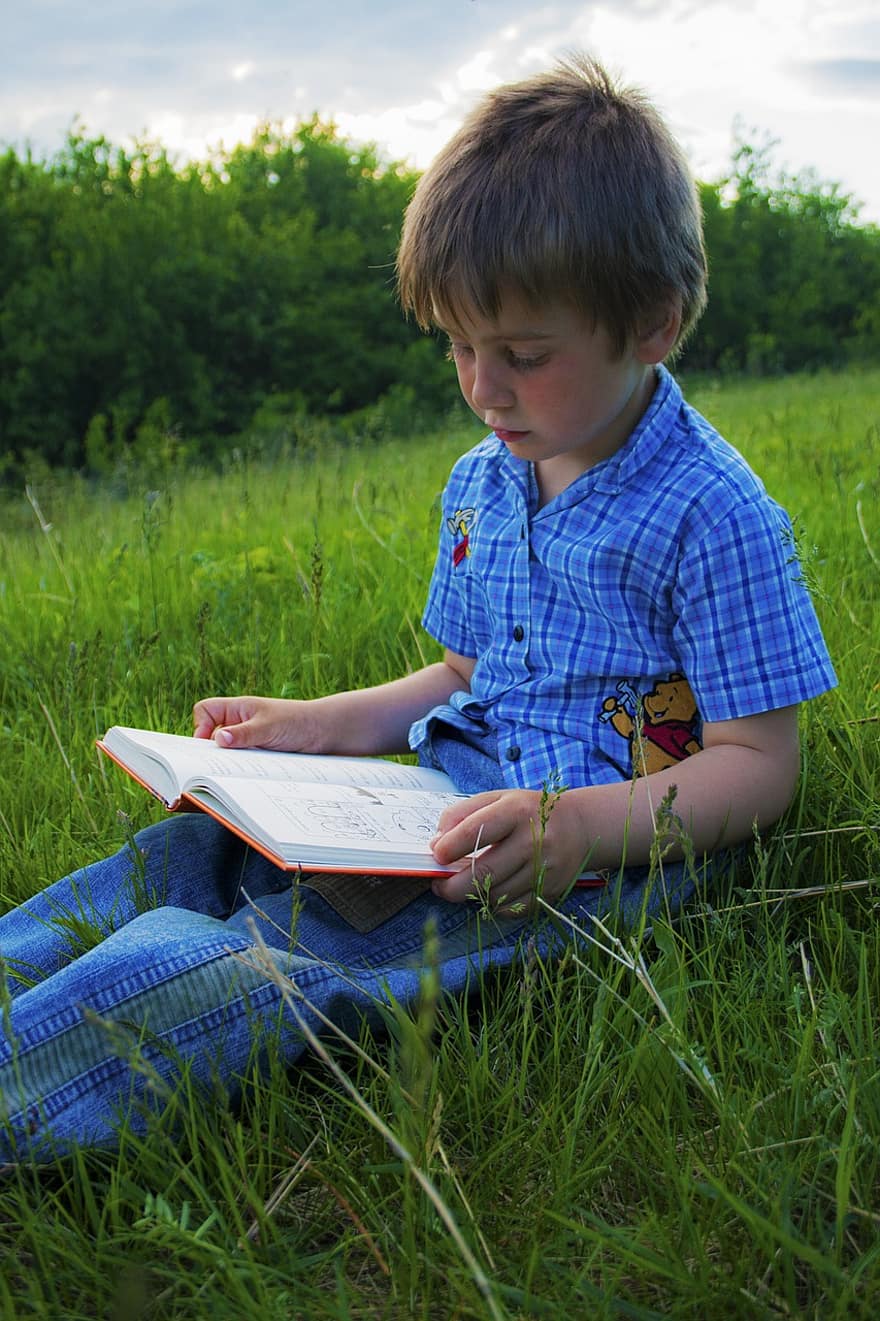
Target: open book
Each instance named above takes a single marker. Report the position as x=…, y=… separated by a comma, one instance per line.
x=315, y=814
x=357, y=814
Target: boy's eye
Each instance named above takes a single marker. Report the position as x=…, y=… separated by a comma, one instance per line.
x=521, y=363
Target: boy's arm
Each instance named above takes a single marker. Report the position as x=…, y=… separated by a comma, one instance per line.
x=363, y=722
x=744, y=776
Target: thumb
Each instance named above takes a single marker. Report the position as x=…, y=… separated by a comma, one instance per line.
x=242, y=734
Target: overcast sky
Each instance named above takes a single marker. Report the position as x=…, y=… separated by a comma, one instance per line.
x=194, y=74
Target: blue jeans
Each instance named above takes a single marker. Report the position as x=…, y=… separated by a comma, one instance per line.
x=123, y=975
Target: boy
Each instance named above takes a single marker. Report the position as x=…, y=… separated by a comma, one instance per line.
x=619, y=608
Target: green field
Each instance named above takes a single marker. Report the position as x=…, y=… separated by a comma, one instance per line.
x=687, y=1128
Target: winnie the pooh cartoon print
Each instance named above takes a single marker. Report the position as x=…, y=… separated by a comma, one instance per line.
x=661, y=726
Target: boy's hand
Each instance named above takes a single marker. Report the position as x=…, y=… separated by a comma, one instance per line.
x=508, y=821
x=257, y=722
x=365, y=722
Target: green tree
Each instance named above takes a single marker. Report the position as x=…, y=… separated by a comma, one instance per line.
x=792, y=274
x=266, y=271
x=137, y=295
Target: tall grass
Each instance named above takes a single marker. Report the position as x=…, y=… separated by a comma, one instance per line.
x=685, y=1123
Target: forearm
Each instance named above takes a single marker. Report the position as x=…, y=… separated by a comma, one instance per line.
x=744, y=776
x=711, y=800
x=363, y=722
x=376, y=721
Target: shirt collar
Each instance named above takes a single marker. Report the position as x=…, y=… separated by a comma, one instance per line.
x=648, y=437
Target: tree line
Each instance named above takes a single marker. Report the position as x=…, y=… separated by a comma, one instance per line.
x=141, y=301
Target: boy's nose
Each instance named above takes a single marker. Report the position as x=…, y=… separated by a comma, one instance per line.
x=490, y=390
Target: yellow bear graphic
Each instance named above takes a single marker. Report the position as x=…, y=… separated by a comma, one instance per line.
x=661, y=729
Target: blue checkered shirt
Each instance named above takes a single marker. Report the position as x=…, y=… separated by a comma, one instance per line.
x=659, y=590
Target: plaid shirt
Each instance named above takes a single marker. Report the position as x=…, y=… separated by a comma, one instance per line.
x=659, y=590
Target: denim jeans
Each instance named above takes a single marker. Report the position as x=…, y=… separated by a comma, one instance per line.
x=123, y=975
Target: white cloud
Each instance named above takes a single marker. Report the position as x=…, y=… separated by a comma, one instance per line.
x=404, y=73
x=477, y=75
x=193, y=137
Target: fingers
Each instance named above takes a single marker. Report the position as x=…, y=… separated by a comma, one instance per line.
x=510, y=850
x=207, y=715
x=490, y=880
x=260, y=722
x=488, y=818
x=233, y=722
x=453, y=816
x=494, y=833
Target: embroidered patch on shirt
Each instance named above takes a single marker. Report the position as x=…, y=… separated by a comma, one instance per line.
x=460, y=524
x=661, y=726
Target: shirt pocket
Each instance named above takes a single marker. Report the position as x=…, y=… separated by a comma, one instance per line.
x=477, y=613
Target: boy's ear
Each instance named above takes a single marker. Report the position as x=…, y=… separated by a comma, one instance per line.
x=659, y=337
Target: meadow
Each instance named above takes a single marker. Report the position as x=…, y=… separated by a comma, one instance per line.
x=680, y=1122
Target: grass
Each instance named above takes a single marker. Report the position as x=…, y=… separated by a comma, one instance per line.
x=687, y=1125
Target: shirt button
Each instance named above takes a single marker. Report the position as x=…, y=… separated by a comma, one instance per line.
x=518, y=633
x=513, y=753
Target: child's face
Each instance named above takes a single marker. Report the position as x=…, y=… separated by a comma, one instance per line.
x=546, y=383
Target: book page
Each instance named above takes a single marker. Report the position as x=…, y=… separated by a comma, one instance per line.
x=331, y=823
x=195, y=758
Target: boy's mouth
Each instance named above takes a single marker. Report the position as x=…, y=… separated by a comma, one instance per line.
x=510, y=437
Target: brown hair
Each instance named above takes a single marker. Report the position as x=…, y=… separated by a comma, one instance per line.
x=566, y=187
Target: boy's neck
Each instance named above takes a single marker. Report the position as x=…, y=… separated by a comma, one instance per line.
x=553, y=476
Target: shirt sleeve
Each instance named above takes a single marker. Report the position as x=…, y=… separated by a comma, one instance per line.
x=746, y=629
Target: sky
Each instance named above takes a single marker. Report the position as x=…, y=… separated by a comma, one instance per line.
x=195, y=75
